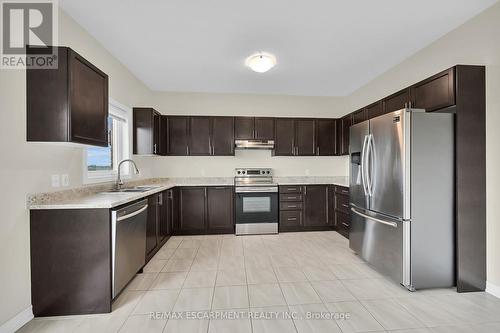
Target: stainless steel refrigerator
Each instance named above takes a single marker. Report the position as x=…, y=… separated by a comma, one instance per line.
x=402, y=196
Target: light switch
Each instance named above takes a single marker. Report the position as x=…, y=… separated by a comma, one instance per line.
x=65, y=179
x=56, y=181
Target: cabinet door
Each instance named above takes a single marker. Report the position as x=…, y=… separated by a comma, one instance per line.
x=152, y=224
x=397, y=101
x=316, y=205
x=164, y=220
x=244, y=128
x=264, y=128
x=374, y=110
x=325, y=137
x=358, y=116
x=178, y=130
x=338, y=137
x=156, y=133
x=435, y=92
x=220, y=211
x=89, y=102
x=285, y=136
x=222, y=136
x=143, y=131
x=346, y=125
x=305, y=137
x=199, y=143
x=163, y=135
x=192, y=210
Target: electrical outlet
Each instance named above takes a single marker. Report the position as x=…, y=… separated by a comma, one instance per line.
x=65, y=179
x=56, y=180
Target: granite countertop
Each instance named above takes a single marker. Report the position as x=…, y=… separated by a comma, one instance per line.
x=98, y=196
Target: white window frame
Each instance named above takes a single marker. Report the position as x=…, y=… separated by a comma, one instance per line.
x=123, y=113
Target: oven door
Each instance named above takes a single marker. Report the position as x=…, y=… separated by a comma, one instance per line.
x=259, y=207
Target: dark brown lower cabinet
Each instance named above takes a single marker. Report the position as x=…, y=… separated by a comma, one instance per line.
x=192, y=210
x=70, y=261
x=204, y=210
x=316, y=206
x=342, y=214
x=304, y=208
x=220, y=210
x=152, y=225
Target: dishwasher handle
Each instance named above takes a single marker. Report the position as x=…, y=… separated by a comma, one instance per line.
x=137, y=212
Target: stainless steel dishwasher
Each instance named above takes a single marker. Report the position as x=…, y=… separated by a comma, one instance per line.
x=128, y=243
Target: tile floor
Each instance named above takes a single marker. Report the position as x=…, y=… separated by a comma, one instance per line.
x=298, y=273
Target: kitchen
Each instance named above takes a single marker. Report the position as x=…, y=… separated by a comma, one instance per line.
x=189, y=141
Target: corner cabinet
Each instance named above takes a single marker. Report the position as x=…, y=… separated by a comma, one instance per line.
x=147, y=129
x=67, y=104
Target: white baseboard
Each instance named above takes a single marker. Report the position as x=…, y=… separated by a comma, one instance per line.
x=492, y=289
x=18, y=321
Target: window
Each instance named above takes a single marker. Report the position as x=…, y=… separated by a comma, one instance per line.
x=100, y=163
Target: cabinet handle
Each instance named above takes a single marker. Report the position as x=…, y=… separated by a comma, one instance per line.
x=187, y=150
x=344, y=205
x=160, y=199
x=154, y=148
x=345, y=224
x=292, y=206
x=292, y=219
x=292, y=197
x=345, y=191
x=305, y=190
x=317, y=150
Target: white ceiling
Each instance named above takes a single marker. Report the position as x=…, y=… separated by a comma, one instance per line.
x=324, y=47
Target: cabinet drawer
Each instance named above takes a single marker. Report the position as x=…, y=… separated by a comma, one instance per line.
x=343, y=224
x=342, y=190
x=291, y=189
x=342, y=203
x=290, y=205
x=290, y=218
x=290, y=197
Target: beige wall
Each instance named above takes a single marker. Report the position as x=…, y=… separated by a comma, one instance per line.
x=248, y=105
x=26, y=167
x=475, y=42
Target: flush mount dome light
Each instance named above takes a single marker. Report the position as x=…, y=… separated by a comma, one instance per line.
x=261, y=62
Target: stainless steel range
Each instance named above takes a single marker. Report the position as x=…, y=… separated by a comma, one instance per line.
x=256, y=201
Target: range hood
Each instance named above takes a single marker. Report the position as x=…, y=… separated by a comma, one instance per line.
x=254, y=144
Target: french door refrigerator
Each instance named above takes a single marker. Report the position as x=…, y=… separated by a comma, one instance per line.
x=402, y=196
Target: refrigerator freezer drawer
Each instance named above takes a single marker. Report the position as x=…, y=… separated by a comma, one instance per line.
x=379, y=244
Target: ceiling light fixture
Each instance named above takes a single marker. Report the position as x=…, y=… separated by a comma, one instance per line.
x=261, y=62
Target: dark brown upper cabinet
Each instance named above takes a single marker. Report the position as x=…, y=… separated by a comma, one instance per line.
x=254, y=128
x=359, y=116
x=243, y=128
x=326, y=137
x=264, y=128
x=344, y=136
x=222, y=140
x=374, y=110
x=178, y=135
x=284, y=143
x=67, y=104
x=147, y=136
x=199, y=136
x=305, y=137
x=397, y=101
x=436, y=92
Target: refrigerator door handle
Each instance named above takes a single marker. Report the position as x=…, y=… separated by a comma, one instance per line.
x=362, y=166
x=369, y=166
x=389, y=223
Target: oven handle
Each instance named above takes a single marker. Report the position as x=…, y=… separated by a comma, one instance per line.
x=261, y=189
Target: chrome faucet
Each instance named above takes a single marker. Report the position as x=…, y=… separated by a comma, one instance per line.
x=119, y=181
